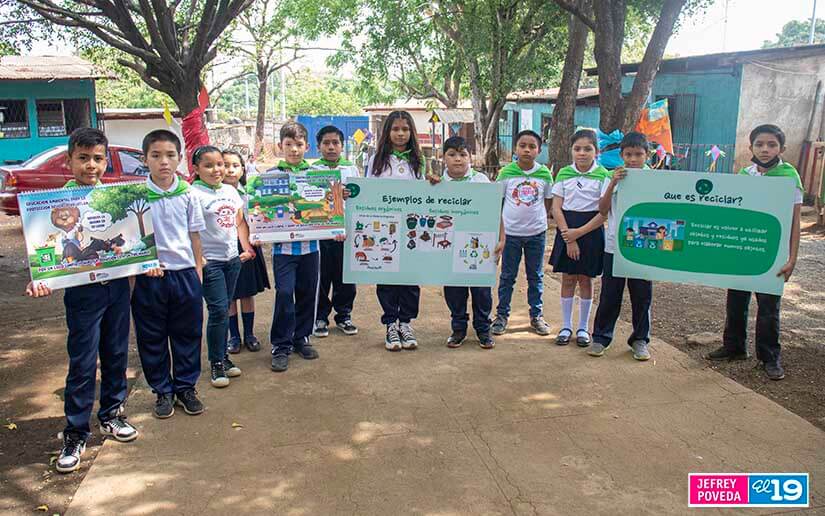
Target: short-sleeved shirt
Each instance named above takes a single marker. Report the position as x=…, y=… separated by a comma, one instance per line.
x=471, y=176
x=524, y=213
x=580, y=193
x=395, y=168
x=753, y=171
x=220, y=211
x=173, y=218
x=610, y=236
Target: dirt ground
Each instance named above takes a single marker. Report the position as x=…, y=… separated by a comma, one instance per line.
x=33, y=364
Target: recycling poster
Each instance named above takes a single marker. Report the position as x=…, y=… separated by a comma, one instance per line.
x=77, y=236
x=720, y=230
x=415, y=233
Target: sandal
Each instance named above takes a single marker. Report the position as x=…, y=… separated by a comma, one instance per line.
x=563, y=338
x=582, y=338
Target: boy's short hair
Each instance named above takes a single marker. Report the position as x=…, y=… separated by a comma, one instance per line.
x=294, y=130
x=455, y=143
x=527, y=132
x=768, y=129
x=634, y=139
x=328, y=129
x=160, y=135
x=588, y=134
x=87, y=137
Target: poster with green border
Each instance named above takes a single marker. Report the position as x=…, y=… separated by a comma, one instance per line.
x=719, y=230
x=415, y=233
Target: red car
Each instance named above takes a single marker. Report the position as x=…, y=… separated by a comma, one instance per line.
x=50, y=169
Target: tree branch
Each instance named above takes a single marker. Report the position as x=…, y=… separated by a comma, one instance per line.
x=579, y=13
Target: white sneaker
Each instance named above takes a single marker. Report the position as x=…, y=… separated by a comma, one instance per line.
x=69, y=459
x=119, y=428
x=407, y=336
x=321, y=329
x=392, y=342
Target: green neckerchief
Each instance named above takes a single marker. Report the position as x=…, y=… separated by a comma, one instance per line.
x=468, y=176
x=200, y=182
x=402, y=155
x=153, y=196
x=303, y=165
x=569, y=172
x=512, y=170
x=333, y=164
x=71, y=183
x=781, y=170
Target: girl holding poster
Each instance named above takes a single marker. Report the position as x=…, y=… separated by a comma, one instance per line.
x=578, y=251
x=398, y=157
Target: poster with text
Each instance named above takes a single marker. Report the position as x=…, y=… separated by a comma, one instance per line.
x=286, y=206
x=77, y=236
x=720, y=230
x=415, y=233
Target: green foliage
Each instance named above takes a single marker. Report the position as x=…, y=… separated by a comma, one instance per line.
x=119, y=202
x=128, y=91
x=310, y=95
x=797, y=32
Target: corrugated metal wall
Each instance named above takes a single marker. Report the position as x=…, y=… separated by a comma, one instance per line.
x=348, y=124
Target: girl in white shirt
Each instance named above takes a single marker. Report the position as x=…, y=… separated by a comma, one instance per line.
x=398, y=157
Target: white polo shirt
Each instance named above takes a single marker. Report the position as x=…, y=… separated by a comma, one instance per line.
x=580, y=193
x=471, y=176
x=173, y=218
x=347, y=171
x=220, y=211
x=395, y=168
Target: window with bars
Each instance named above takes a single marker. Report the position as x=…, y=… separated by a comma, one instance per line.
x=14, y=119
x=60, y=117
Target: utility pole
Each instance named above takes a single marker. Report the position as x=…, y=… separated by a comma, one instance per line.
x=813, y=26
x=725, y=28
x=246, y=90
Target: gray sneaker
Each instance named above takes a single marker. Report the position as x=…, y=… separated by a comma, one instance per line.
x=774, y=371
x=640, y=350
x=596, y=349
x=540, y=325
x=499, y=325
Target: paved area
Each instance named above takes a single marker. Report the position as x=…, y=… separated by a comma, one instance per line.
x=528, y=428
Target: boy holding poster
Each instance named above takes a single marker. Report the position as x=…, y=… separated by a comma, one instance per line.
x=97, y=317
x=767, y=144
x=295, y=268
x=634, y=154
x=168, y=301
x=330, y=141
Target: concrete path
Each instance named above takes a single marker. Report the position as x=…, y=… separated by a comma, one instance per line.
x=528, y=428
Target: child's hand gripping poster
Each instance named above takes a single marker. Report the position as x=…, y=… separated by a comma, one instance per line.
x=720, y=230
x=415, y=233
x=285, y=207
x=77, y=236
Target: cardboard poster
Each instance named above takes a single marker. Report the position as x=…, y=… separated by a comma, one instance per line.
x=285, y=207
x=77, y=236
x=720, y=230
x=415, y=233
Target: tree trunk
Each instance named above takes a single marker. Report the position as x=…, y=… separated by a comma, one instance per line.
x=609, y=36
x=562, y=123
x=260, y=119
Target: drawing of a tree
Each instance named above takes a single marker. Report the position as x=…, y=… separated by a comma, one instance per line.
x=121, y=201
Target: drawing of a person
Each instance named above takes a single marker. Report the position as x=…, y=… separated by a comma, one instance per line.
x=67, y=220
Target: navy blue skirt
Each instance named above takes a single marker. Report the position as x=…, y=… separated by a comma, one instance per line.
x=591, y=247
x=254, y=277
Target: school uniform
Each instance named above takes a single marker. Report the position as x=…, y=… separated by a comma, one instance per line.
x=295, y=267
x=398, y=302
x=332, y=262
x=612, y=291
x=482, y=297
x=97, y=318
x=767, y=316
x=525, y=226
x=220, y=205
x=168, y=311
x=581, y=192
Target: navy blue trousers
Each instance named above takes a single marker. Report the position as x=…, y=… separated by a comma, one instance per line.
x=296, y=292
x=332, y=282
x=168, y=315
x=456, y=298
x=399, y=302
x=610, y=305
x=735, y=337
x=97, y=317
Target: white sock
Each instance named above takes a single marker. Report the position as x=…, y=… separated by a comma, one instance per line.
x=567, y=312
x=584, y=313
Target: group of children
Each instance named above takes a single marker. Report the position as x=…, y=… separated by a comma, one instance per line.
x=202, y=240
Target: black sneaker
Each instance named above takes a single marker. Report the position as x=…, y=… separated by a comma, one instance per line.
x=219, y=378
x=280, y=362
x=392, y=342
x=321, y=329
x=119, y=429
x=165, y=406
x=774, y=371
x=233, y=345
x=188, y=399
x=722, y=353
x=252, y=343
x=306, y=351
x=69, y=458
x=499, y=326
x=231, y=369
x=456, y=339
x=485, y=340
x=347, y=327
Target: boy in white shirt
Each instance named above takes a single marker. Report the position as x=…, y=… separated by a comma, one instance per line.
x=167, y=303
